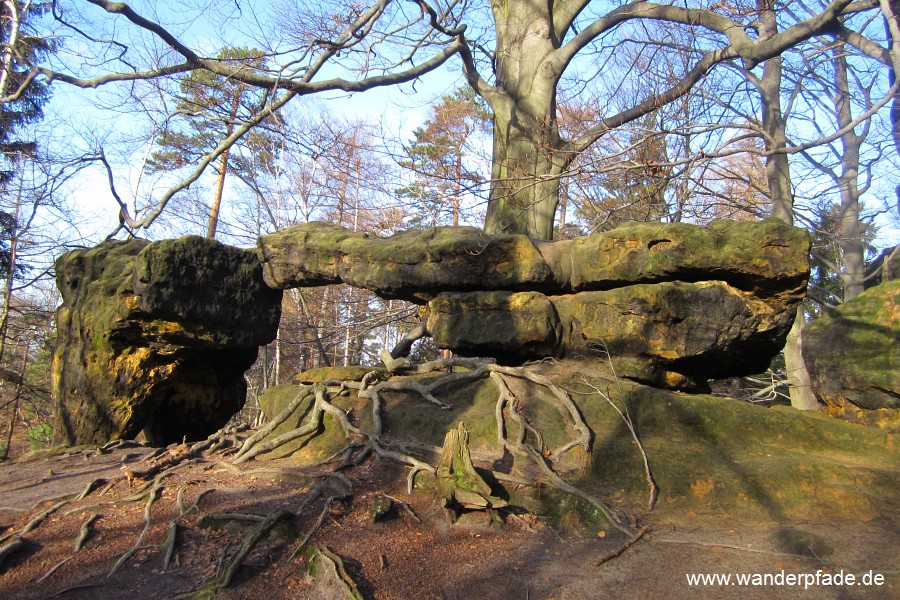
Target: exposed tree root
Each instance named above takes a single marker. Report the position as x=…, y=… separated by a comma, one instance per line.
x=335, y=565
x=53, y=569
x=318, y=523
x=171, y=538
x=10, y=548
x=629, y=423
x=363, y=443
x=171, y=458
x=280, y=418
x=224, y=578
x=84, y=532
x=151, y=497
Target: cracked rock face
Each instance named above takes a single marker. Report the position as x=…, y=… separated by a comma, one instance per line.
x=156, y=337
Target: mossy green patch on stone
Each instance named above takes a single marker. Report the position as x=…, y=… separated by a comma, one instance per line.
x=350, y=373
x=853, y=355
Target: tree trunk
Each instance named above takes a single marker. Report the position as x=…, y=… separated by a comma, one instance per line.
x=217, y=196
x=781, y=192
x=223, y=167
x=851, y=242
x=10, y=272
x=15, y=406
x=894, y=6
x=525, y=177
x=526, y=163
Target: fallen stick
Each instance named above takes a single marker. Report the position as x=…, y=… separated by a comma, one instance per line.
x=628, y=544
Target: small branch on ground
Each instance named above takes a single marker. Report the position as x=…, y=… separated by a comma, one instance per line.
x=628, y=544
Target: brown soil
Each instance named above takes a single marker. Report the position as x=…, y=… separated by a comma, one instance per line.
x=398, y=557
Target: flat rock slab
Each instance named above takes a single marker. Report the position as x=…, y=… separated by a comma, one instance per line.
x=767, y=258
x=412, y=265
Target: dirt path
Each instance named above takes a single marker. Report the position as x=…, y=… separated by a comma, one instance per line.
x=397, y=558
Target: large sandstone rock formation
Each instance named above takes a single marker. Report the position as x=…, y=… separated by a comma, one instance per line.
x=853, y=355
x=767, y=258
x=156, y=337
x=672, y=304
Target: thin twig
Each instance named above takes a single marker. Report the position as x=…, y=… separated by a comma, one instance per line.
x=628, y=544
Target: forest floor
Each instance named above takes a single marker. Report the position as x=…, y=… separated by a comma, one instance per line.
x=413, y=553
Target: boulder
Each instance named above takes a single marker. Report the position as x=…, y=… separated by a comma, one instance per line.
x=155, y=337
x=853, y=355
x=672, y=334
x=510, y=326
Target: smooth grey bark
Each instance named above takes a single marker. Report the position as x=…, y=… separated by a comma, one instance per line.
x=851, y=231
x=531, y=57
x=778, y=175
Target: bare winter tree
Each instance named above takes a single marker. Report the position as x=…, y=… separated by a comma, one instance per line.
x=514, y=56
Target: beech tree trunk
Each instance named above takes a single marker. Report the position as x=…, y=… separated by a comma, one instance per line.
x=781, y=192
x=853, y=252
x=526, y=162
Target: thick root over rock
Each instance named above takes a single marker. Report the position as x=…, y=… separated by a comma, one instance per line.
x=458, y=483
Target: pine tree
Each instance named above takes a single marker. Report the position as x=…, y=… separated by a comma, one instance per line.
x=438, y=156
x=209, y=109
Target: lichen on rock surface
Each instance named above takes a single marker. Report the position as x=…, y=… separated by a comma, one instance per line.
x=155, y=337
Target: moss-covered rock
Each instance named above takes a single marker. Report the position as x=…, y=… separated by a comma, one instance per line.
x=669, y=334
x=412, y=265
x=321, y=374
x=853, y=355
x=513, y=325
x=709, y=455
x=768, y=258
x=156, y=337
